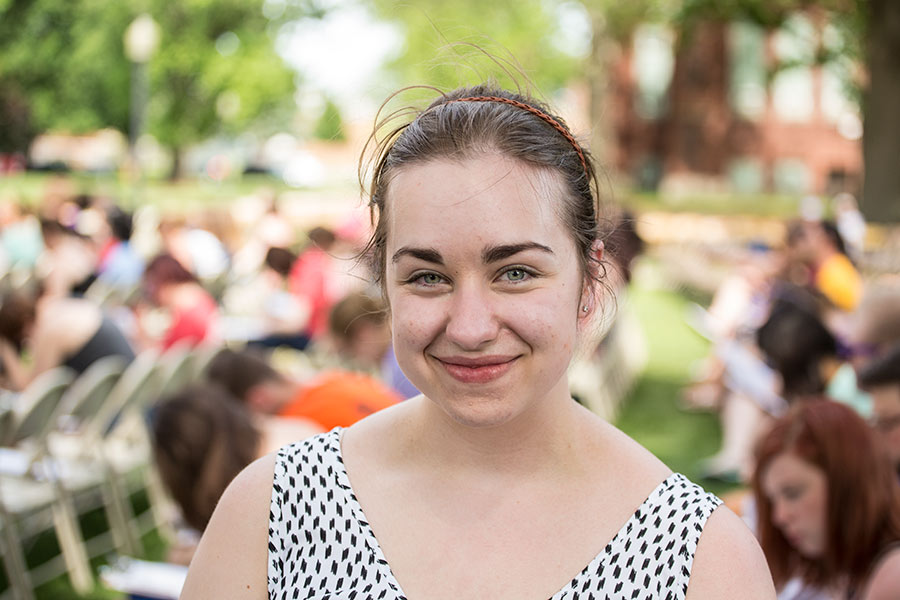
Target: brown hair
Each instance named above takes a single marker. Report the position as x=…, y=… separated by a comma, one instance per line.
x=280, y=260
x=881, y=370
x=17, y=313
x=239, y=372
x=202, y=439
x=473, y=120
x=357, y=307
x=863, y=504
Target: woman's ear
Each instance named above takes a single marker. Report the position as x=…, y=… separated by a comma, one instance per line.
x=590, y=288
x=597, y=249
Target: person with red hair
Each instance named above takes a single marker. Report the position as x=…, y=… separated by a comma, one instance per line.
x=828, y=504
x=193, y=313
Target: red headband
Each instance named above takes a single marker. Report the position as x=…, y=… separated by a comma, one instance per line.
x=536, y=112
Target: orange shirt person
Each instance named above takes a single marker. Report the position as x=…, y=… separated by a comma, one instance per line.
x=339, y=399
x=332, y=399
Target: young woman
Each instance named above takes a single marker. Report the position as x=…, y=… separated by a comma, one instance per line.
x=493, y=483
x=203, y=437
x=55, y=331
x=828, y=504
x=192, y=311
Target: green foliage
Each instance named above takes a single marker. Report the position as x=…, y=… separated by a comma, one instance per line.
x=200, y=86
x=63, y=66
x=842, y=53
x=330, y=125
x=619, y=19
x=448, y=44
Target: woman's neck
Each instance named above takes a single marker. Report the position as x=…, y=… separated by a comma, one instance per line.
x=537, y=441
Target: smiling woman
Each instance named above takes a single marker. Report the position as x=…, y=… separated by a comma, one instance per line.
x=493, y=483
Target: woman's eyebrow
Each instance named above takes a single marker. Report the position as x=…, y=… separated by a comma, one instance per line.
x=427, y=254
x=495, y=253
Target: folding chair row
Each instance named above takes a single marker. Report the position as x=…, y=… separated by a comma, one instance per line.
x=61, y=464
x=80, y=444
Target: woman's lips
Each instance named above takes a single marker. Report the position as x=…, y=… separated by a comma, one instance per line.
x=477, y=370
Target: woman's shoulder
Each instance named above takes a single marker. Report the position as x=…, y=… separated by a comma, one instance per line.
x=231, y=558
x=885, y=579
x=729, y=562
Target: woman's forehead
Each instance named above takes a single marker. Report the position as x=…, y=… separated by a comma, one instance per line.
x=489, y=196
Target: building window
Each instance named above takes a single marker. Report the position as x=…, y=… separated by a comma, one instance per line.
x=791, y=176
x=746, y=175
x=792, y=88
x=654, y=63
x=747, y=69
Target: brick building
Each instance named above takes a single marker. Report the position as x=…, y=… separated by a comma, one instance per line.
x=706, y=113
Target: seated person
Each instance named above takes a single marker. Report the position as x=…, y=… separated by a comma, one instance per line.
x=56, y=331
x=120, y=265
x=203, y=437
x=819, y=246
x=876, y=323
x=331, y=399
x=807, y=356
x=361, y=333
x=68, y=262
x=881, y=378
x=828, y=504
x=192, y=311
x=283, y=316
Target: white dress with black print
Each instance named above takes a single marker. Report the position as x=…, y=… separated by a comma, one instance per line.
x=321, y=546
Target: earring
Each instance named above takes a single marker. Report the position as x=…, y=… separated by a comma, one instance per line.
x=584, y=308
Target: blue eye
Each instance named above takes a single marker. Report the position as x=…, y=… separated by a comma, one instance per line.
x=516, y=275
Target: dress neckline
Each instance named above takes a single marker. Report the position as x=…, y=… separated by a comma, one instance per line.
x=334, y=443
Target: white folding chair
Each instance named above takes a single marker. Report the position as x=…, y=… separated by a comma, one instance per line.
x=177, y=367
x=84, y=398
x=122, y=443
x=31, y=497
x=72, y=448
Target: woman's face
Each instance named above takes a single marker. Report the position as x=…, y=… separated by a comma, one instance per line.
x=798, y=493
x=484, y=285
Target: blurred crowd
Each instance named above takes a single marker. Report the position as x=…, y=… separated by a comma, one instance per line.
x=804, y=369
x=297, y=336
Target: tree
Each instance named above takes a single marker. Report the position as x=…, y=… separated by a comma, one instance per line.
x=63, y=67
x=448, y=44
x=612, y=24
x=330, y=126
x=61, y=64
x=881, y=123
x=216, y=70
x=872, y=32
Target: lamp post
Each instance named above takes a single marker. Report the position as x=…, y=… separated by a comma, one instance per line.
x=141, y=40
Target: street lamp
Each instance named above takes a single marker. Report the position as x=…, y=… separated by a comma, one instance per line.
x=141, y=40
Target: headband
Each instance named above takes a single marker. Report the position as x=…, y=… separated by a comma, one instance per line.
x=536, y=112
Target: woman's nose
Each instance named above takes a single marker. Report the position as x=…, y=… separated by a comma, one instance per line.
x=472, y=322
x=780, y=514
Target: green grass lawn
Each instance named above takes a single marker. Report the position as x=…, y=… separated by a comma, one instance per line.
x=651, y=414
x=763, y=205
x=198, y=192
x=169, y=196
x=45, y=546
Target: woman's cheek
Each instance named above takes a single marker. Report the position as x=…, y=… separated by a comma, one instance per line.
x=419, y=324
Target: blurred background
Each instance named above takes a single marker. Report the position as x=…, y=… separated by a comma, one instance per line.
x=219, y=131
x=761, y=101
